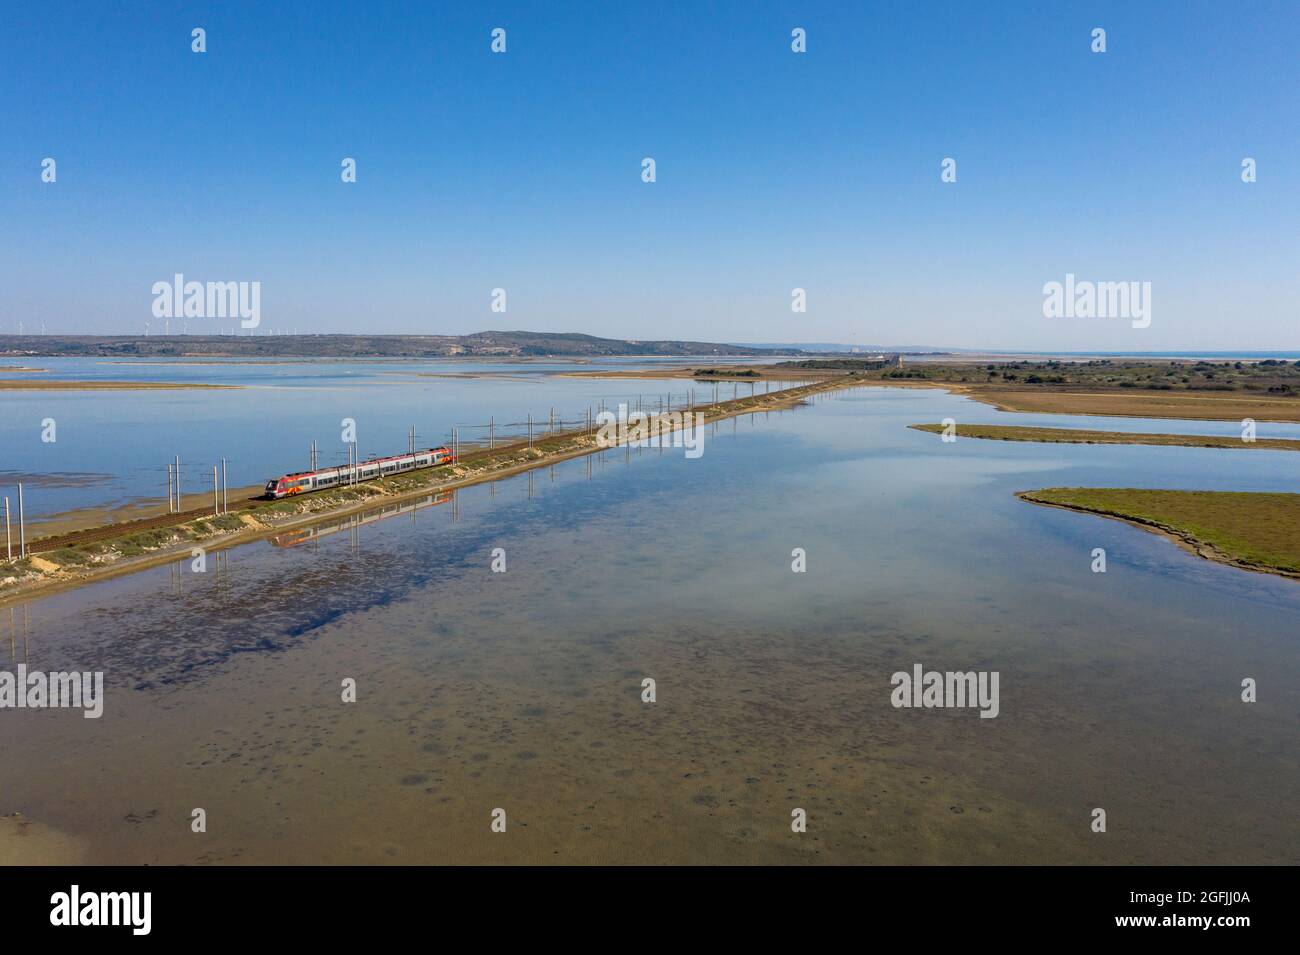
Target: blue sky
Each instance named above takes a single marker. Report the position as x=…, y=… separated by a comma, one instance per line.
x=774, y=170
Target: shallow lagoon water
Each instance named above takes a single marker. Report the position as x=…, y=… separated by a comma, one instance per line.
x=114, y=447
x=522, y=690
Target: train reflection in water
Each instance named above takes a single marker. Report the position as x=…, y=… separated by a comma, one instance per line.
x=325, y=528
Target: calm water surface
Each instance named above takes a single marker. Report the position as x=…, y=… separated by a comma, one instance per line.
x=113, y=448
x=522, y=690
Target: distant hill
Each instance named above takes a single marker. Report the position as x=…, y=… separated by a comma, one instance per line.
x=480, y=344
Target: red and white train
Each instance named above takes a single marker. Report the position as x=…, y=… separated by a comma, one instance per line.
x=304, y=482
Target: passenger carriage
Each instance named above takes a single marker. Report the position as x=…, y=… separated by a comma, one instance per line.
x=304, y=482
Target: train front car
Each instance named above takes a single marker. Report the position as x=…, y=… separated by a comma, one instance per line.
x=272, y=489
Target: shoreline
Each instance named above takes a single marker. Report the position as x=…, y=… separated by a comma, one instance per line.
x=1055, y=402
x=1033, y=434
x=1051, y=402
x=20, y=384
x=95, y=518
x=565, y=446
x=1079, y=401
x=1185, y=541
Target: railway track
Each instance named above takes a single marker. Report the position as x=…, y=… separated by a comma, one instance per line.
x=109, y=531
x=506, y=446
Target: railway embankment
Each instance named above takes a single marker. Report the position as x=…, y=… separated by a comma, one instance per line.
x=73, y=559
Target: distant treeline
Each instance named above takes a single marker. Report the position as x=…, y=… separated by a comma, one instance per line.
x=725, y=373
x=846, y=364
x=1270, y=376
